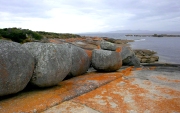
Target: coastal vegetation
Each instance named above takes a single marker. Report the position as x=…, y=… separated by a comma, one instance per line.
x=58, y=35
x=19, y=35
x=25, y=35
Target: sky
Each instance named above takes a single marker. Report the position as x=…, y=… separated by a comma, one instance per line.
x=78, y=16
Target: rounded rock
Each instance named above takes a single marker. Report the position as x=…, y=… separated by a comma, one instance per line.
x=53, y=62
x=80, y=61
x=103, y=60
x=107, y=46
x=16, y=67
x=128, y=57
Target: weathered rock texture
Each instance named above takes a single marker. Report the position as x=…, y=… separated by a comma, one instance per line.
x=128, y=57
x=53, y=62
x=103, y=60
x=117, y=41
x=16, y=67
x=107, y=46
x=80, y=61
x=146, y=56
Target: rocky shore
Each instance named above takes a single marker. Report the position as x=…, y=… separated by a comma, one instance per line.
x=46, y=64
x=40, y=75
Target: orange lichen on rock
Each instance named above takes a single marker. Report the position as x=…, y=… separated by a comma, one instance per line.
x=152, y=68
x=89, y=53
x=139, y=68
x=56, y=41
x=161, y=77
x=74, y=39
x=127, y=71
x=97, y=38
x=41, y=99
x=118, y=49
x=125, y=95
x=98, y=47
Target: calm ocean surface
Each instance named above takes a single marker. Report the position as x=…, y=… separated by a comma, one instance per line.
x=167, y=48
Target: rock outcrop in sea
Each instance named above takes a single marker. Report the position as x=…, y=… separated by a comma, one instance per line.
x=146, y=56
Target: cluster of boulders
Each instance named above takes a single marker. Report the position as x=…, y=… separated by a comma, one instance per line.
x=146, y=56
x=47, y=64
x=106, y=58
x=38, y=64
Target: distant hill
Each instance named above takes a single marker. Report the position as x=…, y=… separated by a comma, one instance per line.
x=144, y=32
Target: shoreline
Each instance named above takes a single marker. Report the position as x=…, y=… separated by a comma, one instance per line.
x=108, y=90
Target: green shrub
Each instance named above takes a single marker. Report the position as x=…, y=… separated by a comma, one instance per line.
x=19, y=35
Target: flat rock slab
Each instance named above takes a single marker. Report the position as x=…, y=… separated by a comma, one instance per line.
x=71, y=107
x=38, y=100
x=145, y=90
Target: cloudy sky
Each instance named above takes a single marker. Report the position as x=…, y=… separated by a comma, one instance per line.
x=75, y=16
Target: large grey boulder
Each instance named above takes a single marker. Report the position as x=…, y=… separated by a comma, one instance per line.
x=16, y=67
x=53, y=62
x=128, y=57
x=103, y=60
x=80, y=61
x=107, y=46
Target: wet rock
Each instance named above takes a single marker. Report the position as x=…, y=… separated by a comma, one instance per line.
x=107, y=46
x=16, y=67
x=128, y=57
x=80, y=61
x=53, y=62
x=103, y=60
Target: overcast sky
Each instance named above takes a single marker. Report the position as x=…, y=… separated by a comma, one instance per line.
x=75, y=16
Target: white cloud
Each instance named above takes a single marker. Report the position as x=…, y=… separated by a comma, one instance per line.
x=90, y=16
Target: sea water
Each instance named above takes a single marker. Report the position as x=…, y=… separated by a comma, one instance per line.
x=167, y=48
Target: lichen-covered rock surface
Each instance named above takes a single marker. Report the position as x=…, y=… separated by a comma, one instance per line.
x=53, y=62
x=80, y=61
x=128, y=57
x=16, y=67
x=146, y=56
x=107, y=46
x=103, y=60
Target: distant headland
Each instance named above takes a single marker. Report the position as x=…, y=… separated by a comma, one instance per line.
x=154, y=35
